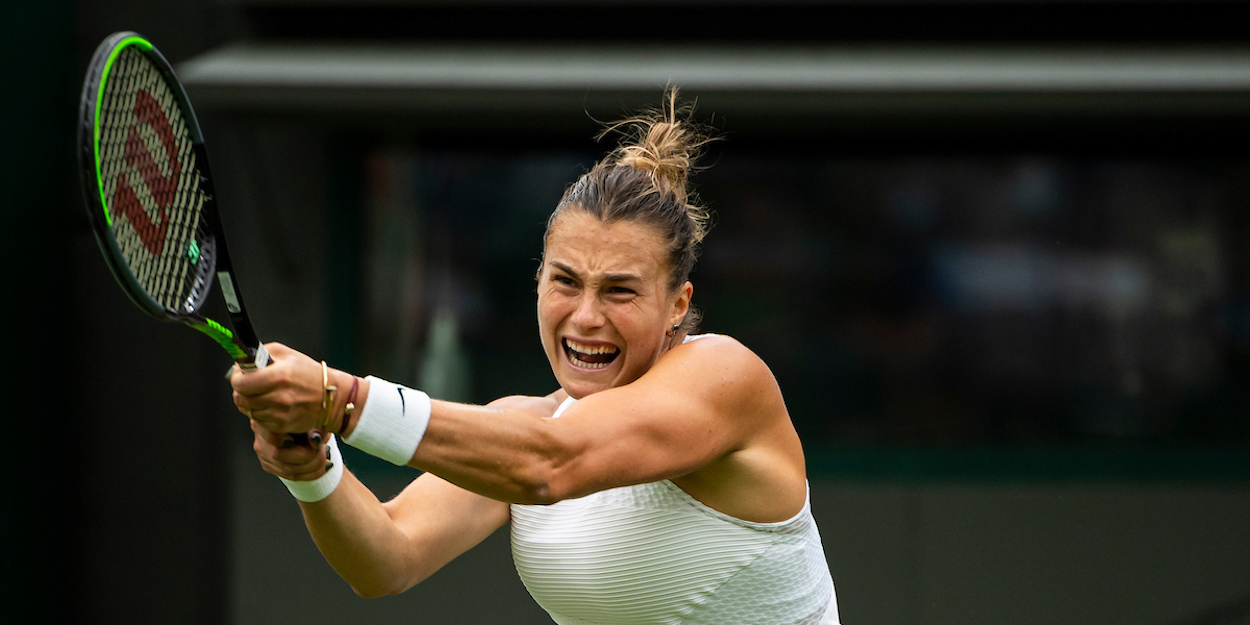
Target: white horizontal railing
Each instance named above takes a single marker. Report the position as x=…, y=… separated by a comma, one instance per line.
x=371, y=76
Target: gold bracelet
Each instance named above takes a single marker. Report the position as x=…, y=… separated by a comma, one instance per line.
x=327, y=395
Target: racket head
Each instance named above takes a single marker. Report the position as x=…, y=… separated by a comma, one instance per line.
x=145, y=178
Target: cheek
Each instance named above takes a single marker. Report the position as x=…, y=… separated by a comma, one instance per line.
x=545, y=325
x=638, y=328
x=552, y=308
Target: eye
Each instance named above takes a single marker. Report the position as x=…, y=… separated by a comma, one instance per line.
x=620, y=290
x=564, y=280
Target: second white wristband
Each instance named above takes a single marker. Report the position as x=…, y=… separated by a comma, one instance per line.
x=392, y=423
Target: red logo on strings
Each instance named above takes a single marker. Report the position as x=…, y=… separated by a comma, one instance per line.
x=125, y=201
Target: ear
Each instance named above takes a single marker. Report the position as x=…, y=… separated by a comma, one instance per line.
x=681, y=304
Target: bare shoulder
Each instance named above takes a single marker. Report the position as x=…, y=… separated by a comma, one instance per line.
x=722, y=367
x=722, y=354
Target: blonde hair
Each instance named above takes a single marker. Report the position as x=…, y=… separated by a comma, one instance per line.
x=647, y=179
x=664, y=144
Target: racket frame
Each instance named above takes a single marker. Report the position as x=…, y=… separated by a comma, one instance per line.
x=241, y=343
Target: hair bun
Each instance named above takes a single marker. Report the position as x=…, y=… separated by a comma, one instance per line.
x=664, y=143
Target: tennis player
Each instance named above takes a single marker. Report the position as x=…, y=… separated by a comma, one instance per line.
x=662, y=483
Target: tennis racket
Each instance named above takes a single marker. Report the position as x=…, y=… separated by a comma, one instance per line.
x=149, y=194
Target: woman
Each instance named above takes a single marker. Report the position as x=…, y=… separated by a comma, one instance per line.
x=670, y=486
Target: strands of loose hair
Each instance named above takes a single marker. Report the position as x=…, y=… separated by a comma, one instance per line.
x=665, y=143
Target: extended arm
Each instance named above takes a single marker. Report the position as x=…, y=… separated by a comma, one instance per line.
x=710, y=406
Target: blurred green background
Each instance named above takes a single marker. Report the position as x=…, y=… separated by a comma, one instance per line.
x=995, y=253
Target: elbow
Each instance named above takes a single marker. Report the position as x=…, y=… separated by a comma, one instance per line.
x=535, y=487
x=550, y=474
x=385, y=587
x=551, y=482
x=377, y=591
x=371, y=592
x=543, y=482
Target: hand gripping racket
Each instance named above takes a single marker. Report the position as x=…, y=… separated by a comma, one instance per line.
x=150, y=197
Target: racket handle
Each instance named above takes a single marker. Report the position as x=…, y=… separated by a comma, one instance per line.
x=260, y=360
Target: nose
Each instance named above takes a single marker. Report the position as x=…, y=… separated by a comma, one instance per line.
x=589, y=313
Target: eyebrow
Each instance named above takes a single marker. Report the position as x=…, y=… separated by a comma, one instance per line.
x=612, y=277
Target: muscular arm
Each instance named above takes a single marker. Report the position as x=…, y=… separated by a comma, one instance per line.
x=698, y=404
x=386, y=548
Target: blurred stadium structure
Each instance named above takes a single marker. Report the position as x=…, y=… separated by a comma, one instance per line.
x=996, y=253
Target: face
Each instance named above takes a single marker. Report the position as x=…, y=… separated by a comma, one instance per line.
x=604, y=306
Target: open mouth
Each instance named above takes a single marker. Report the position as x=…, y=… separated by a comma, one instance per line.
x=590, y=356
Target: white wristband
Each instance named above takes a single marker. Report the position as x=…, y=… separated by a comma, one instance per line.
x=315, y=490
x=392, y=422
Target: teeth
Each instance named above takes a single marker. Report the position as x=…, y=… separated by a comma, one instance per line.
x=590, y=351
x=576, y=352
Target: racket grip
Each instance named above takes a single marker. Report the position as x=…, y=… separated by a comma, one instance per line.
x=260, y=360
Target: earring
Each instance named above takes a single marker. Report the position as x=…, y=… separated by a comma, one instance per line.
x=673, y=330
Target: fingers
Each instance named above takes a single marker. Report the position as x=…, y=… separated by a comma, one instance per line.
x=279, y=455
x=285, y=396
x=282, y=400
x=304, y=474
x=273, y=411
x=286, y=367
x=264, y=380
x=289, y=441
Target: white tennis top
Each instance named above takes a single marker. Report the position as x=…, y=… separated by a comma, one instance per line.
x=652, y=554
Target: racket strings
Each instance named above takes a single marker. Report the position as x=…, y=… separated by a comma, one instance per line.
x=151, y=185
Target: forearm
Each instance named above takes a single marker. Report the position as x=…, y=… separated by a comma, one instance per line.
x=361, y=541
x=506, y=453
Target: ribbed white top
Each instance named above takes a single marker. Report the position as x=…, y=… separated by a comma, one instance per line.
x=652, y=554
